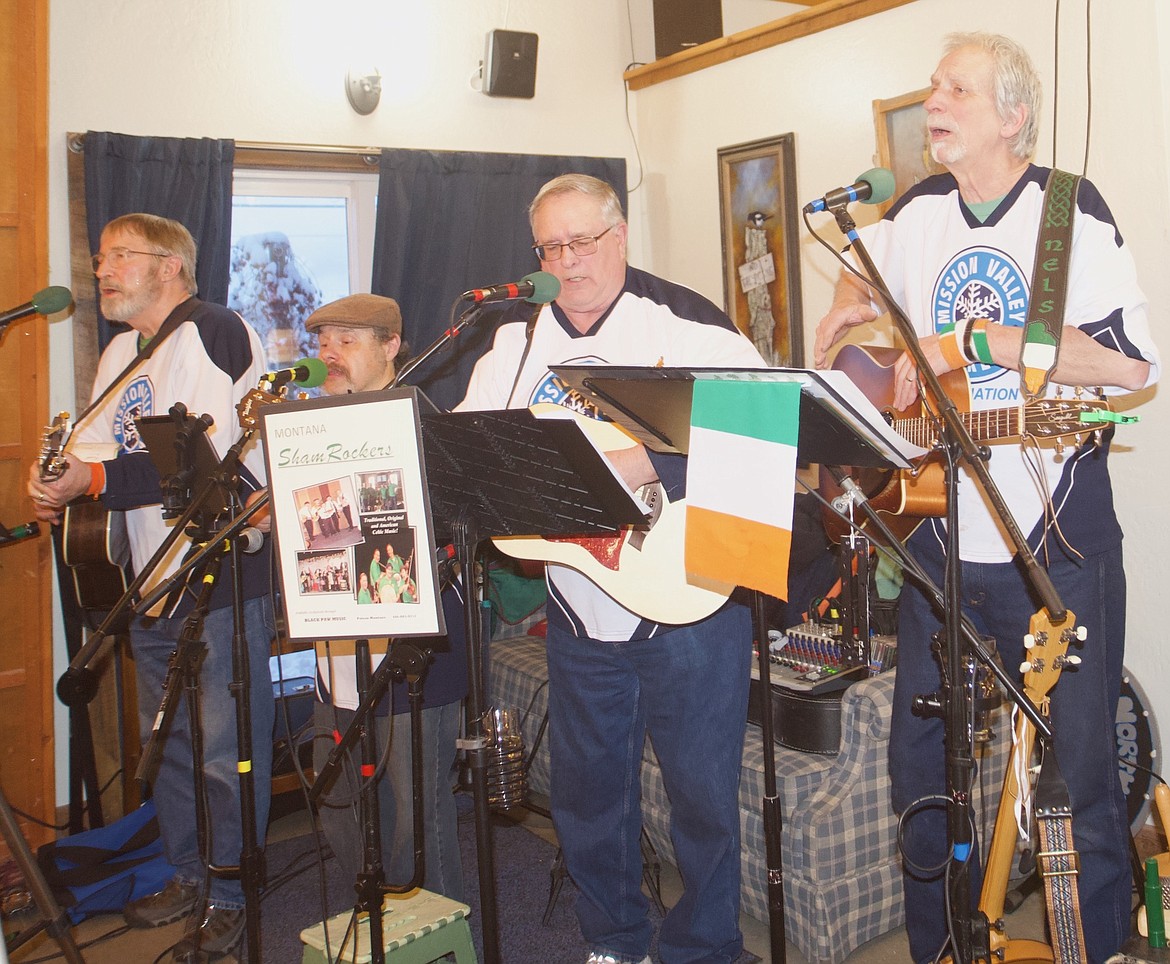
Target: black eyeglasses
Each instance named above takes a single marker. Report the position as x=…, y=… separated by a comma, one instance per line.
x=552, y=250
x=119, y=256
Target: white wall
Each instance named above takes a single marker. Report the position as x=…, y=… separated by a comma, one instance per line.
x=274, y=70
x=822, y=88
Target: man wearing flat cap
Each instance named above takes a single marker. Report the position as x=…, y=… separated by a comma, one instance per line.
x=360, y=340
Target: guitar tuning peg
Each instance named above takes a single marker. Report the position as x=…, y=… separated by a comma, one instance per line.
x=1072, y=659
x=1025, y=667
x=1082, y=633
x=1029, y=641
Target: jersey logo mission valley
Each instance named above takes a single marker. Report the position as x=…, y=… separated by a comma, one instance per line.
x=982, y=283
x=137, y=400
x=551, y=389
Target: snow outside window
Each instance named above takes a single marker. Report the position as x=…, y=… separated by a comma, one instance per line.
x=299, y=240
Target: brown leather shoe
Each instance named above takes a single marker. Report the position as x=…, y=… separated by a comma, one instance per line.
x=207, y=936
x=174, y=902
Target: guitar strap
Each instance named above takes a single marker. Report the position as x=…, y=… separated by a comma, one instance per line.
x=178, y=315
x=1040, y=346
x=1058, y=863
x=529, y=329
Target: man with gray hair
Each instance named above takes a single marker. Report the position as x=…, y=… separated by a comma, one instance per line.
x=615, y=676
x=207, y=358
x=956, y=252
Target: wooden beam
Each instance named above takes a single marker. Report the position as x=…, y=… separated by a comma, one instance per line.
x=821, y=16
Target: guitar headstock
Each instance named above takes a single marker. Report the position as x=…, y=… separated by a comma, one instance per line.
x=51, y=463
x=1060, y=417
x=1046, y=647
x=249, y=406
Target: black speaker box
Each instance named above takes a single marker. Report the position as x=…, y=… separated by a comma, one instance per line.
x=509, y=65
x=682, y=24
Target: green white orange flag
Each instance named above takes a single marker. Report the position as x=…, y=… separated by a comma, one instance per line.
x=741, y=479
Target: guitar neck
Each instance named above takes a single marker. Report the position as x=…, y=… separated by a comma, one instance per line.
x=996, y=423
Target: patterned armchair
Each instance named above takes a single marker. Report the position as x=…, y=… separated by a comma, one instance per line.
x=842, y=877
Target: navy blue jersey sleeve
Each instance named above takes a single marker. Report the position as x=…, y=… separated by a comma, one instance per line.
x=672, y=473
x=131, y=480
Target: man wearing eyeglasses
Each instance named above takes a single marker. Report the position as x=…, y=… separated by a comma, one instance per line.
x=614, y=676
x=207, y=358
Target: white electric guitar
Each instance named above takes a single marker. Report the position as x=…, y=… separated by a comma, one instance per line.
x=641, y=569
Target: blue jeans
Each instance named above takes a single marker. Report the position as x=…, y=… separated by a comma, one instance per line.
x=1084, y=705
x=688, y=688
x=338, y=812
x=173, y=787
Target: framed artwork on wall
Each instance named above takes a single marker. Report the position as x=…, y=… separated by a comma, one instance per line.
x=761, y=266
x=900, y=126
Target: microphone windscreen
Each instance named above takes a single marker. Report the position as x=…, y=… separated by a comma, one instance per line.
x=881, y=183
x=545, y=287
x=51, y=300
x=317, y=372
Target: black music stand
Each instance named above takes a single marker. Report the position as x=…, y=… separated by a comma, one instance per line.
x=510, y=473
x=654, y=404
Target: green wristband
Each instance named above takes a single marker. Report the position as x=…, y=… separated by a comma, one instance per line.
x=979, y=343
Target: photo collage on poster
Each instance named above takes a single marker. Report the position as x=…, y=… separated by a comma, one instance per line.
x=357, y=540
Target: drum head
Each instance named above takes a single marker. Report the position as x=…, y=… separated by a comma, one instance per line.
x=1138, y=750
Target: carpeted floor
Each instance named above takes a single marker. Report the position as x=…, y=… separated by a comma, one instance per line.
x=302, y=891
x=522, y=863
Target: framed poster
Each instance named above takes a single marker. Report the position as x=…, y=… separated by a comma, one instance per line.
x=902, y=145
x=351, y=517
x=761, y=265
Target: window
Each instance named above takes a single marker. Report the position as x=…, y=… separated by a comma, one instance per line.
x=300, y=239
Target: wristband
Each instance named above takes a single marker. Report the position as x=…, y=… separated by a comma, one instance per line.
x=948, y=344
x=979, y=342
x=97, y=479
x=967, y=347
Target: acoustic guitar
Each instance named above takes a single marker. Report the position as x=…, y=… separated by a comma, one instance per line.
x=641, y=569
x=905, y=497
x=95, y=544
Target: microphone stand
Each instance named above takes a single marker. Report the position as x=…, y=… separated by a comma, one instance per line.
x=402, y=659
x=970, y=930
x=78, y=684
x=469, y=317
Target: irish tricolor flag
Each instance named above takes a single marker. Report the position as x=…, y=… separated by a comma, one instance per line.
x=741, y=477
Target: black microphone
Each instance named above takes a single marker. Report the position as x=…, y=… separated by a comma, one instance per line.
x=307, y=373
x=46, y=302
x=538, y=288
x=872, y=187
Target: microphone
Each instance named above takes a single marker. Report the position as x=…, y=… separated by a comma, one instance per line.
x=251, y=539
x=46, y=302
x=307, y=373
x=872, y=187
x=538, y=288
x=27, y=530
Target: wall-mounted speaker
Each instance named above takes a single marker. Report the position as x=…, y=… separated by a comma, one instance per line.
x=682, y=24
x=509, y=65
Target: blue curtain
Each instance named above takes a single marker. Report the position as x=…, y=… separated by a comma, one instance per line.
x=186, y=179
x=451, y=221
